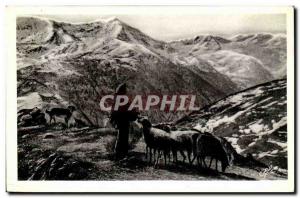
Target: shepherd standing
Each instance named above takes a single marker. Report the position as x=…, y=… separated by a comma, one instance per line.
x=120, y=119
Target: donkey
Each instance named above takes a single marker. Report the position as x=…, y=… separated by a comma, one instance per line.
x=61, y=112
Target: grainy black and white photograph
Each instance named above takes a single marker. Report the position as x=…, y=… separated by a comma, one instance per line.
x=118, y=97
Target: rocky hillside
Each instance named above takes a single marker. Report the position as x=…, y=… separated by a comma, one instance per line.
x=266, y=49
x=61, y=63
x=254, y=121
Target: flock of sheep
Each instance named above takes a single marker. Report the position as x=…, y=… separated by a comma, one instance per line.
x=160, y=140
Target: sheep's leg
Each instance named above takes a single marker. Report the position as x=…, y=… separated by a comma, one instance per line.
x=211, y=159
x=189, y=157
x=151, y=155
x=157, y=159
x=194, y=157
x=216, y=165
x=183, y=155
x=198, y=160
x=165, y=157
x=203, y=160
x=174, y=154
x=158, y=156
x=67, y=122
x=146, y=153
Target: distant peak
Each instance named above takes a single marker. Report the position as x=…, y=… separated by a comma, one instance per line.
x=99, y=20
x=107, y=20
x=111, y=19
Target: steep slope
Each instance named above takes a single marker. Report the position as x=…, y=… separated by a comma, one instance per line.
x=209, y=42
x=210, y=73
x=245, y=71
x=254, y=121
x=261, y=39
x=33, y=30
x=269, y=49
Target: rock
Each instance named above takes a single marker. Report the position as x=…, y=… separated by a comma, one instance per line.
x=30, y=129
x=26, y=118
x=72, y=175
x=25, y=136
x=49, y=136
x=35, y=150
x=58, y=126
x=40, y=119
x=31, y=117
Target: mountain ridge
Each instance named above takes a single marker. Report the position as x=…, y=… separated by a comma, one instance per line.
x=54, y=52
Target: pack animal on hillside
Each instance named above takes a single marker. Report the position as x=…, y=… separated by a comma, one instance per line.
x=61, y=112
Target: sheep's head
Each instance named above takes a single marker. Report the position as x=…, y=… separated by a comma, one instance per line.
x=225, y=163
x=71, y=108
x=145, y=122
x=225, y=160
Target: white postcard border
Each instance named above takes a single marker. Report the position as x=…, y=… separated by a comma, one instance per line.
x=12, y=183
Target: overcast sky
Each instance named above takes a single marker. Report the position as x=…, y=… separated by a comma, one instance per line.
x=178, y=27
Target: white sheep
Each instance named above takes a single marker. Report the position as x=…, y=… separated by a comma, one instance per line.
x=183, y=141
x=156, y=140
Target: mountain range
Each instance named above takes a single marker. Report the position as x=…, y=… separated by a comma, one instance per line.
x=62, y=63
